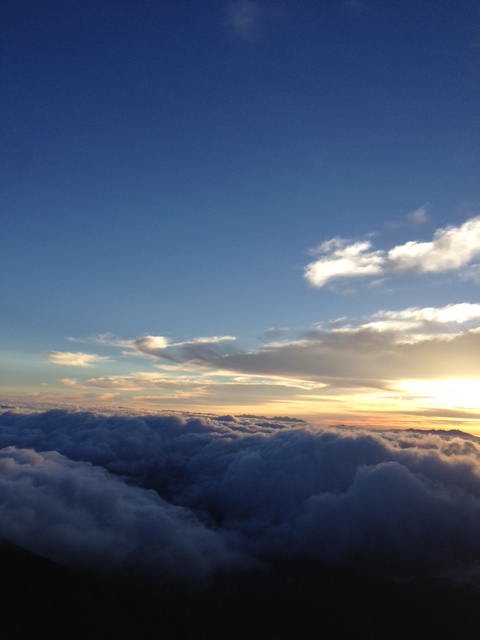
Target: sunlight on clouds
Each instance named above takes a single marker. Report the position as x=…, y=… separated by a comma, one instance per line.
x=343, y=260
x=78, y=359
x=451, y=249
x=150, y=343
x=415, y=404
x=452, y=394
x=431, y=320
x=411, y=366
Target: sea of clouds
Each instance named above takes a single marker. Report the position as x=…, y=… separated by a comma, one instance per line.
x=183, y=497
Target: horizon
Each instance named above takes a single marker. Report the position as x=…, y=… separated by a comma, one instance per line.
x=26, y=406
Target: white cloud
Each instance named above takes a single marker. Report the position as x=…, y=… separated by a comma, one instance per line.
x=419, y=216
x=451, y=249
x=78, y=359
x=427, y=319
x=153, y=345
x=343, y=260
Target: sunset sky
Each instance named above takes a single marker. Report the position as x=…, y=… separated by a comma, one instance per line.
x=246, y=207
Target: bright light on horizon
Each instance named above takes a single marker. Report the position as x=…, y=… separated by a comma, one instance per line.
x=456, y=393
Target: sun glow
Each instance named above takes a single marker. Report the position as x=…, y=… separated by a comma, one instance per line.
x=455, y=393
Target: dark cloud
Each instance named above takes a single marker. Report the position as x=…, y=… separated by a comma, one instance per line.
x=197, y=350
x=362, y=354
x=186, y=496
x=80, y=514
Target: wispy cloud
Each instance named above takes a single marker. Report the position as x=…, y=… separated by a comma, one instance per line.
x=78, y=359
x=251, y=19
x=451, y=249
x=158, y=346
x=137, y=381
x=313, y=352
x=243, y=18
x=208, y=388
x=431, y=341
x=198, y=349
x=430, y=321
x=419, y=216
x=102, y=339
x=385, y=361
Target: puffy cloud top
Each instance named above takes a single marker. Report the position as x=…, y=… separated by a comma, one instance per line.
x=183, y=496
x=451, y=249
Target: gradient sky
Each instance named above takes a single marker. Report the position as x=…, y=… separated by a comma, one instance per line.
x=266, y=207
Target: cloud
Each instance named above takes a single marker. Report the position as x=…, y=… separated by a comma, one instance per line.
x=104, y=339
x=166, y=387
x=364, y=354
x=243, y=17
x=216, y=388
x=272, y=333
x=183, y=496
x=451, y=249
x=249, y=19
x=198, y=349
x=419, y=216
x=343, y=260
x=432, y=341
x=82, y=515
x=78, y=359
x=415, y=323
x=338, y=370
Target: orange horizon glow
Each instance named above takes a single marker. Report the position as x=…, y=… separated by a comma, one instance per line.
x=426, y=409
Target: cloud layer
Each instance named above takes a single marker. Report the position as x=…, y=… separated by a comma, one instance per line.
x=183, y=497
x=411, y=361
x=450, y=249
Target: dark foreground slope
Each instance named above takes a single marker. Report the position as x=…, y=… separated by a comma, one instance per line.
x=284, y=600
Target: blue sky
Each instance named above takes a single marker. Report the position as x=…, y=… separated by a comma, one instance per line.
x=245, y=206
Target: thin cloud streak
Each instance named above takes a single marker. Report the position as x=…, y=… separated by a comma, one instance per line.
x=419, y=216
x=391, y=362
x=78, y=359
x=197, y=350
x=389, y=340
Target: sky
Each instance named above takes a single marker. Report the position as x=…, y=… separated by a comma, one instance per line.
x=243, y=207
